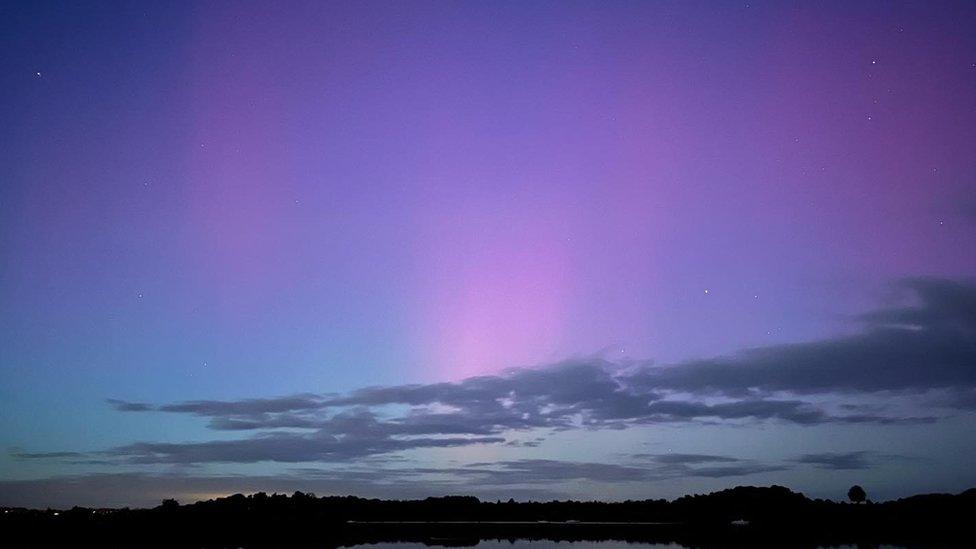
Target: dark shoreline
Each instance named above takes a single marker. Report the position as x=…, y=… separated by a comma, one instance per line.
x=738, y=517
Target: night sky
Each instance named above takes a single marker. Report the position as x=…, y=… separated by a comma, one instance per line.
x=600, y=250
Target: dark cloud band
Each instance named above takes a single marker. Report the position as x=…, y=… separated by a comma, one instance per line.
x=926, y=346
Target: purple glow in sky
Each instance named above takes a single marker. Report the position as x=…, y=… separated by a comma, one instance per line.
x=623, y=230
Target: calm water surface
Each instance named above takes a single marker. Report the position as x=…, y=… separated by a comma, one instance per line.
x=546, y=544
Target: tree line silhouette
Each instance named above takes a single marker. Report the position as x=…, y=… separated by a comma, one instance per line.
x=745, y=514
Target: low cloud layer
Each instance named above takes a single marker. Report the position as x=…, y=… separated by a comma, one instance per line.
x=846, y=461
x=926, y=347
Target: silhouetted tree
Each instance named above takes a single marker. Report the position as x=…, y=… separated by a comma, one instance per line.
x=169, y=505
x=857, y=494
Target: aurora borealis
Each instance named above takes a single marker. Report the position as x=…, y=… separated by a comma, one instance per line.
x=513, y=249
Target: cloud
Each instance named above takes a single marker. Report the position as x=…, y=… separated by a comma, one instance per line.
x=964, y=398
x=125, y=406
x=843, y=461
x=523, y=397
x=247, y=407
x=790, y=410
x=544, y=471
x=45, y=455
x=686, y=459
x=282, y=447
x=927, y=345
x=534, y=443
x=531, y=471
x=733, y=471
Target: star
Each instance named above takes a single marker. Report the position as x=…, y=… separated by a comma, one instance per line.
x=38, y=74
x=706, y=290
x=140, y=295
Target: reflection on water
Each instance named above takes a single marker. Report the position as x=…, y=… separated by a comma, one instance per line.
x=548, y=544
x=533, y=544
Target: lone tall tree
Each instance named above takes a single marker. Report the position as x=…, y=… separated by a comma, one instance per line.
x=857, y=494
